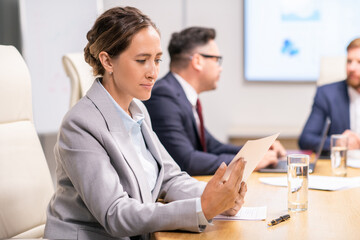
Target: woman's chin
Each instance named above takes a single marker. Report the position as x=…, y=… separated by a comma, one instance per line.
x=144, y=97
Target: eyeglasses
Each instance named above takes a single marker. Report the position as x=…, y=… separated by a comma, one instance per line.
x=218, y=58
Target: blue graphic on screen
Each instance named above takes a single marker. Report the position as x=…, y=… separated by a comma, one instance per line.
x=314, y=16
x=288, y=48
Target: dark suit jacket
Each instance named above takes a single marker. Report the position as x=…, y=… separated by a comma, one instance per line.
x=331, y=100
x=174, y=123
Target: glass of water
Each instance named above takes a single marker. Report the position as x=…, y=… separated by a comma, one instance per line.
x=297, y=177
x=339, y=146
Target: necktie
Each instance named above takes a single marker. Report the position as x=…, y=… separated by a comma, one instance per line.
x=202, y=128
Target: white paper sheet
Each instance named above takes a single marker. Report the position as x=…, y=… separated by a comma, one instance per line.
x=354, y=163
x=246, y=213
x=318, y=182
x=252, y=152
x=353, y=158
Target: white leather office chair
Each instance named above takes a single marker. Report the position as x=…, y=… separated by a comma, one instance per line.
x=25, y=182
x=80, y=74
x=332, y=69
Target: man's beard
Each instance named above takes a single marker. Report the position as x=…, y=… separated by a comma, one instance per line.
x=355, y=85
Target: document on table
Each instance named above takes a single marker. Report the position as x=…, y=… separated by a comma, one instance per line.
x=252, y=152
x=246, y=213
x=354, y=163
x=318, y=182
x=353, y=158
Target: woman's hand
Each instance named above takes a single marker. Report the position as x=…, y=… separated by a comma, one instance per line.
x=222, y=196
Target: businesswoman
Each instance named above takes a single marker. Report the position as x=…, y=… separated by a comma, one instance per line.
x=111, y=167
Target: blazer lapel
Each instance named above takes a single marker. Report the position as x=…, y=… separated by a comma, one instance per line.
x=117, y=129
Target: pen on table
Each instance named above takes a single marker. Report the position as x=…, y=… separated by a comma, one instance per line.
x=279, y=220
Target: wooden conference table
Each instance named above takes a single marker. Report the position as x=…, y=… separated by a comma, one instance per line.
x=330, y=214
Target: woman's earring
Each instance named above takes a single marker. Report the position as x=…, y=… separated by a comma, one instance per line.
x=110, y=73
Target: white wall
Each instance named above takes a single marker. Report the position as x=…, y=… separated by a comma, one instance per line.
x=51, y=29
x=237, y=107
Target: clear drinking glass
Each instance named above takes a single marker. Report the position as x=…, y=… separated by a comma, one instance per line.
x=297, y=176
x=339, y=147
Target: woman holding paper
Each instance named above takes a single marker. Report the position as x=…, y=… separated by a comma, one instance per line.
x=111, y=167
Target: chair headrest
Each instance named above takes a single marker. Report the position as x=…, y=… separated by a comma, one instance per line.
x=332, y=69
x=15, y=86
x=74, y=63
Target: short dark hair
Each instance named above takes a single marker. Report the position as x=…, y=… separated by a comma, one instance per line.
x=353, y=44
x=182, y=44
x=112, y=32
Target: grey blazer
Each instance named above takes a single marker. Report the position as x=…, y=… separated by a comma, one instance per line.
x=102, y=192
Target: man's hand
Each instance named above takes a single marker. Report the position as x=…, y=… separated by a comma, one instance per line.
x=278, y=148
x=354, y=139
x=270, y=158
x=220, y=195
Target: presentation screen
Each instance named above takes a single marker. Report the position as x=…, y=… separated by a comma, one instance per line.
x=284, y=39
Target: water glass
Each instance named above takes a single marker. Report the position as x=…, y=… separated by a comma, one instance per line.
x=339, y=147
x=297, y=177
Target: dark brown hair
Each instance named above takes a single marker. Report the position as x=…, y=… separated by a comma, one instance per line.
x=112, y=33
x=354, y=44
x=182, y=44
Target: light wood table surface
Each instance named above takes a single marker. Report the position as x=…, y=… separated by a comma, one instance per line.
x=330, y=214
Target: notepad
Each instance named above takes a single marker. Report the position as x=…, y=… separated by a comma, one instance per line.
x=246, y=213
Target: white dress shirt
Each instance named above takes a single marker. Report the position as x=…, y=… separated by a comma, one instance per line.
x=191, y=95
x=133, y=126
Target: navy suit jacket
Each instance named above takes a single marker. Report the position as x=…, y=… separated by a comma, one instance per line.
x=173, y=121
x=331, y=100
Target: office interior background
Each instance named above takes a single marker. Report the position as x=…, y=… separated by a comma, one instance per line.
x=43, y=31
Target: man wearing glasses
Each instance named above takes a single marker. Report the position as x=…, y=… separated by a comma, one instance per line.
x=175, y=109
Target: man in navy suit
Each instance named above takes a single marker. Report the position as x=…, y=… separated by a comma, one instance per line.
x=195, y=67
x=340, y=101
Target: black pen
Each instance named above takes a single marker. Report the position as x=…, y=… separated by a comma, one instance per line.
x=279, y=220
